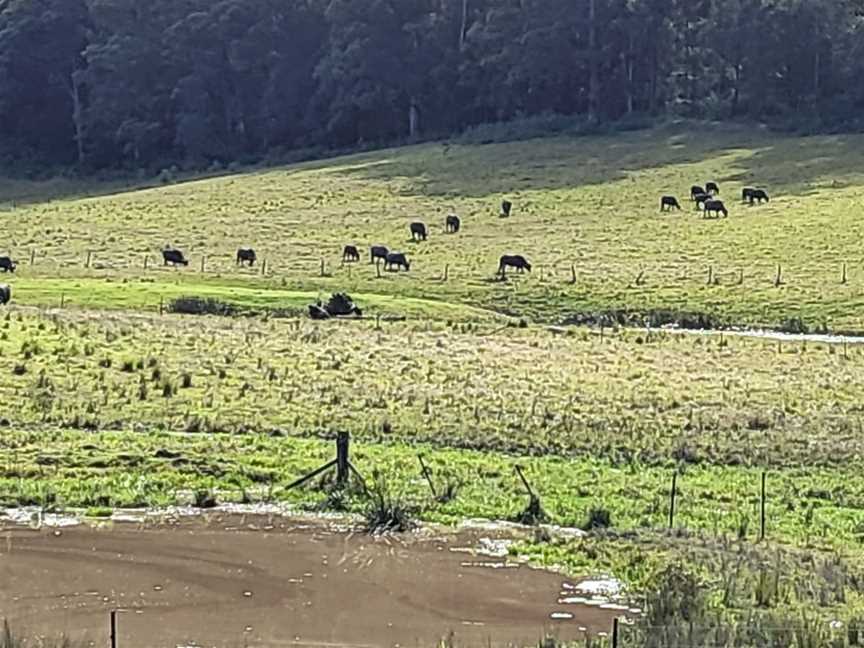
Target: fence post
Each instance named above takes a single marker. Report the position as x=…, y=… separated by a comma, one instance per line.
x=322, y=267
x=343, y=441
x=843, y=277
x=710, y=275
x=62, y=300
x=89, y=256
x=762, y=517
x=779, y=278
x=146, y=259
x=428, y=475
x=615, y=632
x=263, y=267
x=161, y=304
x=446, y=271
x=32, y=257
x=672, y=500
x=203, y=261
x=113, y=628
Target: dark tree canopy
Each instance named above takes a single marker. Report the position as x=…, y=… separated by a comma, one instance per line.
x=130, y=84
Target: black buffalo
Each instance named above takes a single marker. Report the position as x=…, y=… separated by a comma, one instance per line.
x=712, y=188
x=350, y=254
x=7, y=264
x=506, y=206
x=174, y=257
x=715, y=207
x=418, y=231
x=746, y=194
x=667, y=203
x=513, y=261
x=758, y=195
x=397, y=260
x=701, y=199
x=377, y=252
x=696, y=190
x=246, y=255
x=5, y=294
x=453, y=223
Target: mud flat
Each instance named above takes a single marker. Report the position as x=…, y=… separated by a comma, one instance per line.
x=229, y=580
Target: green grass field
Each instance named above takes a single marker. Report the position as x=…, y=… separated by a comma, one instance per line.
x=112, y=404
x=592, y=203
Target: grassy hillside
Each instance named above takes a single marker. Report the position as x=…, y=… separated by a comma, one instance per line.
x=589, y=203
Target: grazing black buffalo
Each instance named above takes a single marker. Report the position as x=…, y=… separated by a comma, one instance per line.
x=7, y=264
x=418, y=231
x=696, y=190
x=746, y=194
x=506, y=206
x=668, y=203
x=701, y=199
x=246, y=255
x=377, y=252
x=758, y=195
x=350, y=254
x=397, y=260
x=5, y=294
x=712, y=188
x=174, y=257
x=513, y=261
x=453, y=223
x=716, y=207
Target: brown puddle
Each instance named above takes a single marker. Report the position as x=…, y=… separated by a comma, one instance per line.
x=230, y=581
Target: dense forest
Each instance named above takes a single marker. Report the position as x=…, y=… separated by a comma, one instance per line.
x=128, y=84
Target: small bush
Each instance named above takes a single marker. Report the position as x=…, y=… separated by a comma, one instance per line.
x=387, y=511
x=598, y=518
x=199, y=306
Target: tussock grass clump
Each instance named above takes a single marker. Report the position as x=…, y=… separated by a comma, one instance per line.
x=388, y=510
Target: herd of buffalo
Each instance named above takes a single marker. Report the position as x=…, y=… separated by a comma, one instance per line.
x=706, y=198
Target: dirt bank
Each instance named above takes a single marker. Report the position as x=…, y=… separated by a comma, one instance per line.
x=231, y=581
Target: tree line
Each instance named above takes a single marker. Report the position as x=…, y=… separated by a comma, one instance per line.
x=130, y=84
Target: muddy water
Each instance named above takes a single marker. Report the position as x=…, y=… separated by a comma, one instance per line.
x=229, y=581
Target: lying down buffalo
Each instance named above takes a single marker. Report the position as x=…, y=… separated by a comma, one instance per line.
x=339, y=304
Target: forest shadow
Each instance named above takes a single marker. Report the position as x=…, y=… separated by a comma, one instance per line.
x=782, y=164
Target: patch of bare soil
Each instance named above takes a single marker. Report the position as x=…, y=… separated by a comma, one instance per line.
x=229, y=581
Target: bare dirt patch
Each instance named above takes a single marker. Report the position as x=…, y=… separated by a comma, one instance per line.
x=236, y=581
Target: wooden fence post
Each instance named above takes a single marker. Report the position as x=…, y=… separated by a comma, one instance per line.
x=146, y=259
x=446, y=271
x=672, y=500
x=263, y=267
x=428, y=475
x=573, y=273
x=762, y=516
x=615, y=632
x=32, y=257
x=62, y=300
x=779, y=278
x=113, y=628
x=89, y=257
x=161, y=304
x=322, y=267
x=378, y=269
x=843, y=277
x=343, y=441
x=203, y=261
x=710, y=275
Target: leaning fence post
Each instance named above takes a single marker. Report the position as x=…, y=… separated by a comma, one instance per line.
x=428, y=475
x=89, y=256
x=779, y=278
x=762, y=527
x=146, y=259
x=672, y=500
x=113, y=628
x=343, y=441
x=573, y=273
